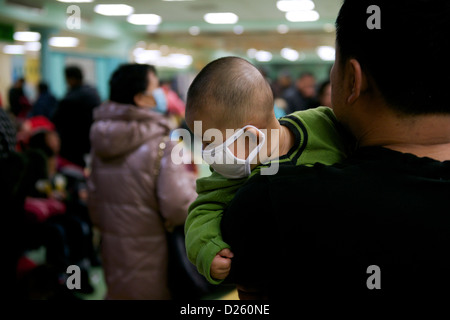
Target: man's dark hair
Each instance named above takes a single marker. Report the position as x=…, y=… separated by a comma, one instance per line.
x=73, y=72
x=129, y=80
x=407, y=58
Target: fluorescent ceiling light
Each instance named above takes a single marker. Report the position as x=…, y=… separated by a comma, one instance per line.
x=263, y=56
x=302, y=16
x=146, y=56
x=282, y=28
x=144, y=19
x=173, y=60
x=14, y=49
x=295, y=5
x=194, y=31
x=180, y=60
x=114, y=9
x=251, y=53
x=76, y=1
x=329, y=27
x=63, y=42
x=33, y=46
x=326, y=53
x=221, y=18
x=238, y=29
x=289, y=54
x=26, y=36
x=151, y=28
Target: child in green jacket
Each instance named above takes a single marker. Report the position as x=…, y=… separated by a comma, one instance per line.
x=231, y=93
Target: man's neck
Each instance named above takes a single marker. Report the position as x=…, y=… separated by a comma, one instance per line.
x=423, y=136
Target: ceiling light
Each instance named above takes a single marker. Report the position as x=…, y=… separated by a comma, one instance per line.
x=263, y=56
x=33, y=46
x=221, y=18
x=289, y=54
x=26, y=36
x=114, y=9
x=76, y=1
x=173, y=60
x=63, y=42
x=151, y=28
x=238, y=29
x=251, y=53
x=146, y=56
x=329, y=27
x=282, y=28
x=194, y=31
x=14, y=49
x=302, y=16
x=144, y=19
x=295, y=5
x=180, y=60
x=326, y=53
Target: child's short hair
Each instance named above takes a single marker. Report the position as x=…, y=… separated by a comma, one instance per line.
x=232, y=90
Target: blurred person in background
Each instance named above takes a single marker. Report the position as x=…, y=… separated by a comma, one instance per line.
x=10, y=173
x=281, y=83
x=302, y=95
x=45, y=104
x=19, y=103
x=134, y=185
x=324, y=94
x=74, y=116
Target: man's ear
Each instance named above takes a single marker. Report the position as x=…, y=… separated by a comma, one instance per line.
x=357, y=81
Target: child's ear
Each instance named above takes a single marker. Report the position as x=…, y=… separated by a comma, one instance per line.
x=254, y=134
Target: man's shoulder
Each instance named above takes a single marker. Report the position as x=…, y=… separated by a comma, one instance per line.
x=82, y=92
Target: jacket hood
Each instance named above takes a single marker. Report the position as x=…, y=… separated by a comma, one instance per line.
x=119, y=129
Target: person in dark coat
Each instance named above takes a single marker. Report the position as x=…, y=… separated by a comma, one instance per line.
x=18, y=101
x=376, y=225
x=74, y=116
x=301, y=96
x=45, y=104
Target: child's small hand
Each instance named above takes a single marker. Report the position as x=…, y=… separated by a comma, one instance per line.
x=221, y=264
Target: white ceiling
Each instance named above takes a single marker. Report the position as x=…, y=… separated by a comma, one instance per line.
x=259, y=19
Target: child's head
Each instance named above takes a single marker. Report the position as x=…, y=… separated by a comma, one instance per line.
x=229, y=93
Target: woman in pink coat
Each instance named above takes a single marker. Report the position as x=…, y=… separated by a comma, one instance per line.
x=128, y=193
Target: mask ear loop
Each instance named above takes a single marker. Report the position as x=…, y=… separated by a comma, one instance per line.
x=255, y=151
x=232, y=139
x=223, y=148
x=238, y=133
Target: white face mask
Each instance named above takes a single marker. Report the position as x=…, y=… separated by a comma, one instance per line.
x=222, y=160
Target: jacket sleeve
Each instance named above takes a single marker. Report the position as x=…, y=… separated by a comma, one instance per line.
x=175, y=189
x=202, y=228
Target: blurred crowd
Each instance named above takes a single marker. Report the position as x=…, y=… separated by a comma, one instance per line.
x=47, y=157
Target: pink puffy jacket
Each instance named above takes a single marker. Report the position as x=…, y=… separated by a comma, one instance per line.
x=123, y=203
